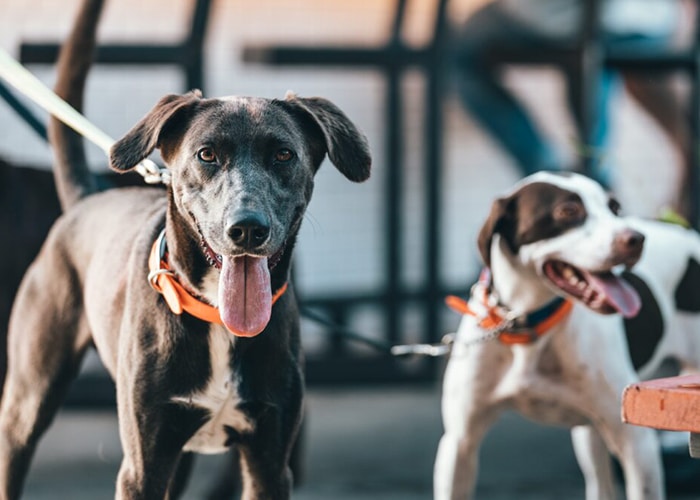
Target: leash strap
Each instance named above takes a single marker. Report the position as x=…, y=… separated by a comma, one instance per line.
x=178, y=298
x=25, y=82
x=402, y=350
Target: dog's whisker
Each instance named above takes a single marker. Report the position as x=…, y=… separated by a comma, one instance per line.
x=315, y=225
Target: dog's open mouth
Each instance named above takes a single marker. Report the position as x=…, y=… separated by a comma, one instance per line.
x=603, y=292
x=215, y=260
x=245, y=294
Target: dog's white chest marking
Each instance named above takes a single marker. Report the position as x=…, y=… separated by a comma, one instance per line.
x=517, y=381
x=219, y=397
x=210, y=287
x=549, y=398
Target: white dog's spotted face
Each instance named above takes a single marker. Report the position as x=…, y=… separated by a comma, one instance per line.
x=568, y=229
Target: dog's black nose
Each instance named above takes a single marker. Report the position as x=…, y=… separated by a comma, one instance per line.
x=629, y=242
x=251, y=230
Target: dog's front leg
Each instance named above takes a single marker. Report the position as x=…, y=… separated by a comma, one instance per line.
x=153, y=431
x=264, y=460
x=636, y=448
x=640, y=457
x=265, y=453
x=594, y=459
x=264, y=479
x=467, y=414
x=152, y=448
x=456, y=463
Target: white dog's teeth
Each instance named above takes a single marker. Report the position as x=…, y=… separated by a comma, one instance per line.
x=570, y=276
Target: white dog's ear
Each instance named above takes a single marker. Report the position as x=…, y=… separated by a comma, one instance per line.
x=500, y=220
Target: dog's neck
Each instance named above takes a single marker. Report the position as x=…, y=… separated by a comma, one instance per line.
x=184, y=254
x=518, y=288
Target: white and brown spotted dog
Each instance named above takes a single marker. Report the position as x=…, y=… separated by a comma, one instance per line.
x=580, y=325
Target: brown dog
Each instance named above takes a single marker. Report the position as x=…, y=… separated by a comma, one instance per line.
x=242, y=174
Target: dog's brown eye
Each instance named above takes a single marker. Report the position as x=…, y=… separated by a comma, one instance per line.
x=570, y=212
x=283, y=155
x=614, y=206
x=206, y=155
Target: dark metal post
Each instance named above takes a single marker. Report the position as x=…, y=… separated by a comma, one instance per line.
x=394, y=178
x=434, y=69
x=694, y=75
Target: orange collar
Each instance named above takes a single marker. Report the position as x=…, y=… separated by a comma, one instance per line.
x=521, y=330
x=178, y=298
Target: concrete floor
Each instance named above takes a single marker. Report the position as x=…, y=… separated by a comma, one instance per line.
x=369, y=444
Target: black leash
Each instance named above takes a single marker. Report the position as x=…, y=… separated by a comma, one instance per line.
x=442, y=348
x=345, y=332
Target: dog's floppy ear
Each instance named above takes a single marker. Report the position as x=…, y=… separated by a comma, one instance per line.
x=145, y=136
x=346, y=146
x=501, y=221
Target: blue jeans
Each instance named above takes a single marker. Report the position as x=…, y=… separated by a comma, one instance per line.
x=502, y=115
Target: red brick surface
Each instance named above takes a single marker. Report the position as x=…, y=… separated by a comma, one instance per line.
x=667, y=403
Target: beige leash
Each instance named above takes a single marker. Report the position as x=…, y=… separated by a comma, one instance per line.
x=25, y=82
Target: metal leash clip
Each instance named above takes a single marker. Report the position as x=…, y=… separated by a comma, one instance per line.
x=152, y=173
x=433, y=350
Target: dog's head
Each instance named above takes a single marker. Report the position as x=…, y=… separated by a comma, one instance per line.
x=568, y=229
x=242, y=174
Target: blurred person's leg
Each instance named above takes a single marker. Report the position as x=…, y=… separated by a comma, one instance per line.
x=594, y=143
x=485, y=97
x=656, y=95
x=662, y=100
x=668, y=105
x=659, y=97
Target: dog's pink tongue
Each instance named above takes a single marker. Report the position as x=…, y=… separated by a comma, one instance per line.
x=245, y=299
x=618, y=293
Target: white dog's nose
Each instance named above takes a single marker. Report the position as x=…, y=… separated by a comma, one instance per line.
x=628, y=244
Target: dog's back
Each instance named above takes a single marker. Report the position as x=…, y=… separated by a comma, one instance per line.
x=28, y=208
x=668, y=279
